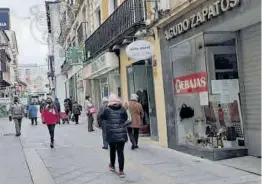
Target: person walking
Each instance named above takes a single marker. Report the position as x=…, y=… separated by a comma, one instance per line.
x=67, y=107
x=102, y=122
x=90, y=111
x=116, y=134
x=51, y=117
x=136, y=112
x=41, y=109
x=17, y=112
x=76, y=111
x=58, y=106
x=32, y=111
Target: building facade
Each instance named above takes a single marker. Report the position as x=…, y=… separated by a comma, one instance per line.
x=211, y=65
x=34, y=76
x=56, y=55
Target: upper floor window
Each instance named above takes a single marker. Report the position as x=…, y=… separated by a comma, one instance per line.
x=115, y=4
x=112, y=6
x=98, y=17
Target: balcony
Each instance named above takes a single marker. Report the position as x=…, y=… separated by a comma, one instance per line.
x=66, y=24
x=125, y=20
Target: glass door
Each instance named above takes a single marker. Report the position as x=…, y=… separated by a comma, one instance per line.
x=151, y=100
x=104, y=91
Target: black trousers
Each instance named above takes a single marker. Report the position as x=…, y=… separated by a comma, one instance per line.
x=119, y=148
x=90, y=120
x=51, y=129
x=133, y=134
x=76, y=116
x=34, y=120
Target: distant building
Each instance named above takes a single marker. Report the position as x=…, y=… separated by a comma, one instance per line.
x=35, y=77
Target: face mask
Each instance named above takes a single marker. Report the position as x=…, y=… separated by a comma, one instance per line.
x=15, y=100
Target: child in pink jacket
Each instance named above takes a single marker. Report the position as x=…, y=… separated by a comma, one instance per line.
x=51, y=117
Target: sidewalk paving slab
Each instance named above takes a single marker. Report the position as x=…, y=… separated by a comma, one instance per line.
x=78, y=158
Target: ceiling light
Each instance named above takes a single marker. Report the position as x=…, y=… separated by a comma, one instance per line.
x=126, y=41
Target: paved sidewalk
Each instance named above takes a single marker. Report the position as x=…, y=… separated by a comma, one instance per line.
x=13, y=168
x=78, y=159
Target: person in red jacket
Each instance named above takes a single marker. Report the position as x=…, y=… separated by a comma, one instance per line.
x=51, y=117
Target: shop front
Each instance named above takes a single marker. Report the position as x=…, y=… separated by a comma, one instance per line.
x=102, y=77
x=140, y=75
x=211, y=79
x=71, y=82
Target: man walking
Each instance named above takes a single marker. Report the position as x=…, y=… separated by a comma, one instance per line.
x=58, y=107
x=102, y=122
x=17, y=113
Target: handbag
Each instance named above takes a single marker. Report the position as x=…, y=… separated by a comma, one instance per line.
x=186, y=112
x=91, y=110
x=129, y=118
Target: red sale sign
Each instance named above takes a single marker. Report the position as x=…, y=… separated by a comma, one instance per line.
x=193, y=83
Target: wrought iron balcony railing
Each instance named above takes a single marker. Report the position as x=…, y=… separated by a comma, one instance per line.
x=129, y=15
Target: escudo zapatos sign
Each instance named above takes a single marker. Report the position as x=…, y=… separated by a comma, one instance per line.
x=193, y=83
x=207, y=13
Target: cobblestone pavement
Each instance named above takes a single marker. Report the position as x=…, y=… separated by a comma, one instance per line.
x=78, y=159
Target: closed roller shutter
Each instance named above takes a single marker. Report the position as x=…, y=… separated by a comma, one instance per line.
x=251, y=62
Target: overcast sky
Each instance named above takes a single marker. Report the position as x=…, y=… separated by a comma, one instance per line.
x=29, y=31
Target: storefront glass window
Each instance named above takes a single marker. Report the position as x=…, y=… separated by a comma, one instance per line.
x=206, y=92
x=190, y=88
x=223, y=113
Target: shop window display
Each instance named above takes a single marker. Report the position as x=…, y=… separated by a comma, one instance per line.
x=206, y=92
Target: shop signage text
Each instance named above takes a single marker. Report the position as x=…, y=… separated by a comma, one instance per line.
x=193, y=83
x=98, y=64
x=206, y=14
x=139, y=50
x=4, y=19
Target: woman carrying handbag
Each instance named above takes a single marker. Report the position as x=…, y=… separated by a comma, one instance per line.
x=136, y=114
x=90, y=111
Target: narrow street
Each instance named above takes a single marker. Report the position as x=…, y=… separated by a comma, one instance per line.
x=78, y=159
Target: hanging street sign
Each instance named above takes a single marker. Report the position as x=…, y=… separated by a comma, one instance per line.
x=74, y=55
x=140, y=50
x=4, y=19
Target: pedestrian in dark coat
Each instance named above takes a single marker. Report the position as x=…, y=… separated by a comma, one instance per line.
x=102, y=122
x=76, y=111
x=32, y=111
x=116, y=131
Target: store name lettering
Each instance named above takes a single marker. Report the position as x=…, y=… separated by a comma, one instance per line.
x=141, y=48
x=98, y=64
x=206, y=14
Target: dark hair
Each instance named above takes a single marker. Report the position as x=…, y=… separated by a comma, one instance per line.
x=87, y=97
x=49, y=99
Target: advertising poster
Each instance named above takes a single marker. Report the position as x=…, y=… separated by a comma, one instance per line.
x=4, y=19
x=193, y=83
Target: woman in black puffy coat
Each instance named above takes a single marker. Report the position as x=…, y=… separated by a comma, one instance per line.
x=116, y=131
